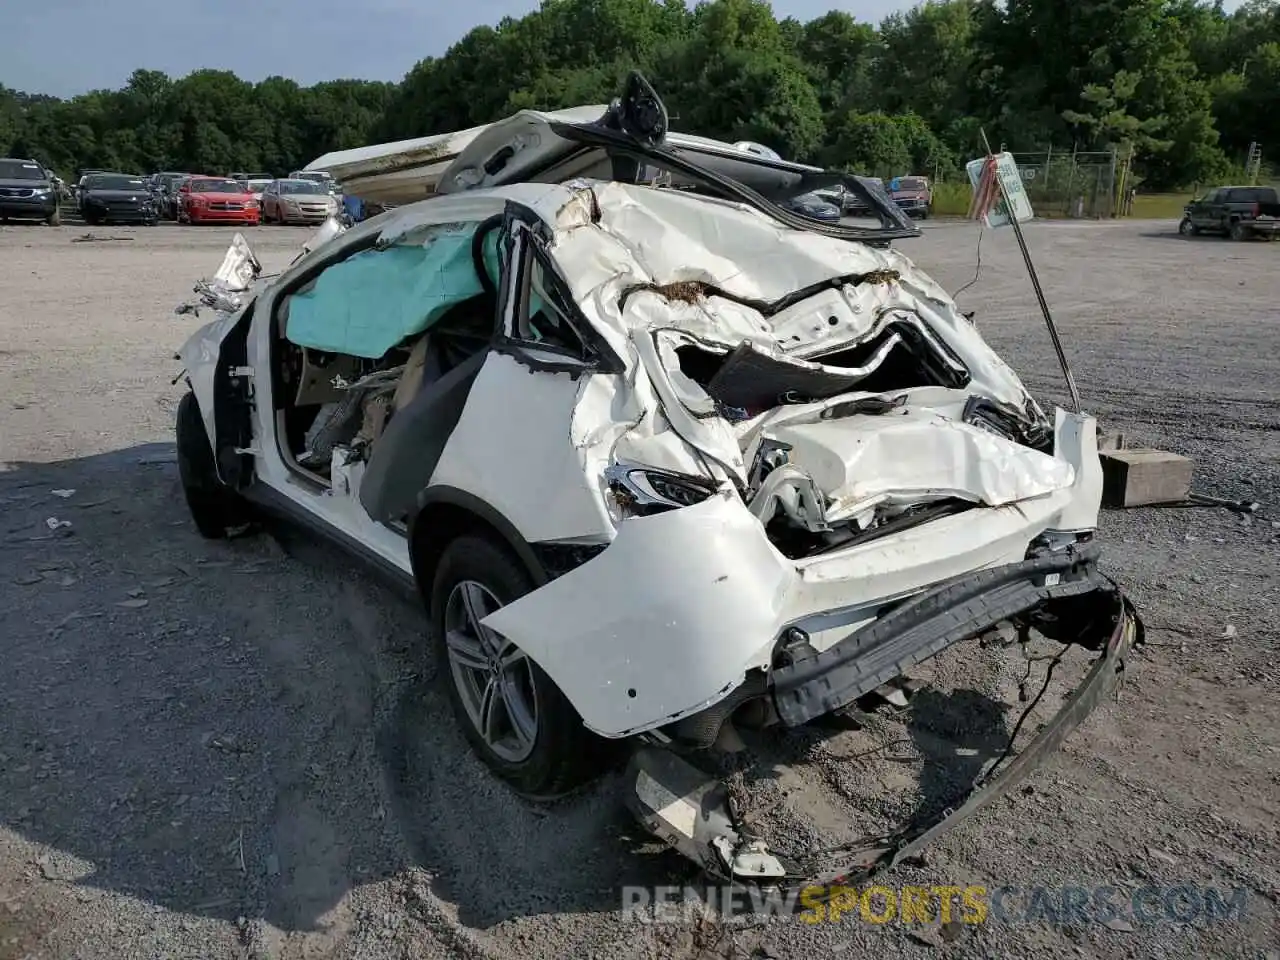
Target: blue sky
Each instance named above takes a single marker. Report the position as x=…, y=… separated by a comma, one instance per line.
x=64, y=47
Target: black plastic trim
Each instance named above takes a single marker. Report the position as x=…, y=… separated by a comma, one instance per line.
x=601, y=357
x=731, y=189
x=406, y=455
x=233, y=402
x=444, y=494
x=925, y=625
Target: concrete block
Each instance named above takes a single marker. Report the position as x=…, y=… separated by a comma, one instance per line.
x=1142, y=476
x=1110, y=441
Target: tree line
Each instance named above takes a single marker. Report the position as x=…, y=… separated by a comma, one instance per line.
x=1183, y=84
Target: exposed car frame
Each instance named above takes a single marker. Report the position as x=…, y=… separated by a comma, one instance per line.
x=657, y=539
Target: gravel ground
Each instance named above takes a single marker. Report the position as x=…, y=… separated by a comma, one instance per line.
x=215, y=750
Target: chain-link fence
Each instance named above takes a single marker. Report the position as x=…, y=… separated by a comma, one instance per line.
x=1079, y=184
x=1085, y=185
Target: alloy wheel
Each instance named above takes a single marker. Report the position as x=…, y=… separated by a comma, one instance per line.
x=494, y=677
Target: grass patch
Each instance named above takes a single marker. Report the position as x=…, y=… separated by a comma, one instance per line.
x=951, y=199
x=1159, y=206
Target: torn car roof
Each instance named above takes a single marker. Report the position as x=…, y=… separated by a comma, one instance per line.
x=412, y=168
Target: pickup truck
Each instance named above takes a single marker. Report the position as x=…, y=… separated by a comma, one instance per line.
x=912, y=194
x=1238, y=212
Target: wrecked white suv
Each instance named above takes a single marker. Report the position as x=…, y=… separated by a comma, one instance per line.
x=660, y=455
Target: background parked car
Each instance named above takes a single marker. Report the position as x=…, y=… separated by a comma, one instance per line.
x=1237, y=212
x=913, y=195
x=257, y=186
x=217, y=200
x=116, y=198
x=814, y=207
x=297, y=201
x=165, y=187
x=27, y=191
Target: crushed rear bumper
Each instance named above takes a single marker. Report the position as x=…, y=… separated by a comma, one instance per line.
x=694, y=813
x=928, y=623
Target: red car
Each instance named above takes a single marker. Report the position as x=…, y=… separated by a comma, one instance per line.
x=217, y=200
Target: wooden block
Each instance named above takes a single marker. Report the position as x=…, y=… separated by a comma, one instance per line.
x=1137, y=477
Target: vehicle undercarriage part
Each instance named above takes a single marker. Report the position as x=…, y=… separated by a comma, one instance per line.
x=698, y=816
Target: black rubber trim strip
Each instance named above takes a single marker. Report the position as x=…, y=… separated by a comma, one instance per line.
x=725, y=186
x=923, y=626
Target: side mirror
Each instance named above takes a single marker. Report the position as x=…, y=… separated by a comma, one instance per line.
x=639, y=112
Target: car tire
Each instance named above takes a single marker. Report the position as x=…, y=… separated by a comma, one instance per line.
x=214, y=508
x=54, y=219
x=1239, y=231
x=1187, y=228
x=547, y=752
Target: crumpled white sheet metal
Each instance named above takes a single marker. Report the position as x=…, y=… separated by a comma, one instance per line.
x=914, y=455
x=648, y=236
x=668, y=620
x=332, y=227
x=233, y=278
x=627, y=656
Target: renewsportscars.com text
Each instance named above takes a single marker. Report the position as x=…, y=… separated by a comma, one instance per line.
x=970, y=904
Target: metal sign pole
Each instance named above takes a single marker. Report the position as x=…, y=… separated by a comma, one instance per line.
x=1035, y=283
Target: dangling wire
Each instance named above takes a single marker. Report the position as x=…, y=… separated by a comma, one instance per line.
x=977, y=270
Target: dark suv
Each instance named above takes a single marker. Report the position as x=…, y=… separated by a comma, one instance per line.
x=1239, y=212
x=27, y=192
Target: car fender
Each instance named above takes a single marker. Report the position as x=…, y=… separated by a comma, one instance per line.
x=664, y=622
x=199, y=355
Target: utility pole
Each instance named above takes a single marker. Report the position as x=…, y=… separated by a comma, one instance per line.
x=1253, y=163
x=1111, y=184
